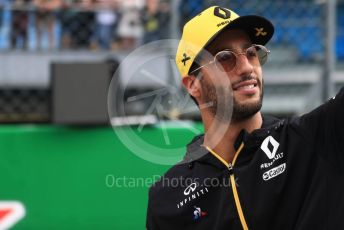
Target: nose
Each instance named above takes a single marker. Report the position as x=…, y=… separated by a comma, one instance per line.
x=243, y=66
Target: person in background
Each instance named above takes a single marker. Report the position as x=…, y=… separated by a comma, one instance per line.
x=45, y=21
x=77, y=23
x=83, y=24
x=130, y=26
x=106, y=19
x=5, y=23
x=155, y=18
x=67, y=14
x=19, y=27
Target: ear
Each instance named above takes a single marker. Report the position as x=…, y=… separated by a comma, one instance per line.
x=192, y=85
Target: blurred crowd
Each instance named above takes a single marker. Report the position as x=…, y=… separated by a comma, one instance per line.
x=91, y=24
x=82, y=24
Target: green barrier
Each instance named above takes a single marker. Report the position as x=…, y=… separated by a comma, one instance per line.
x=79, y=178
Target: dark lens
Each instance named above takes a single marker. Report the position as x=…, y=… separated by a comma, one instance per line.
x=262, y=53
x=257, y=55
x=252, y=54
x=226, y=60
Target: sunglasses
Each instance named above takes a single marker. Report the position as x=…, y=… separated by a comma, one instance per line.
x=226, y=60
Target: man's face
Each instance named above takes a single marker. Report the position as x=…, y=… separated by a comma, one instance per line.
x=245, y=79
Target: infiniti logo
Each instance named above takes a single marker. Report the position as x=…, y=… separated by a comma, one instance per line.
x=191, y=188
x=191, y=194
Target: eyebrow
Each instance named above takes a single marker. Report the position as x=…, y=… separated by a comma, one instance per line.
x=232, y=48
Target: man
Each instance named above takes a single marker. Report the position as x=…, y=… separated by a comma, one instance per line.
x=259, y=172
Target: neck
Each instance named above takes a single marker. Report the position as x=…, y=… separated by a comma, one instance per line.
x=220, y=136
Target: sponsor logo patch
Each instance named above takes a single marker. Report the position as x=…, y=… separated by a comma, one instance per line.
x=192, y=192
x=198, y=213
x=269, y=164
x=274, y=172
x=270, y=146
x=191, y=188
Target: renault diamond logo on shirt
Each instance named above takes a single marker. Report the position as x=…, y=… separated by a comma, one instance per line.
x=270, y=146
x=190, y=188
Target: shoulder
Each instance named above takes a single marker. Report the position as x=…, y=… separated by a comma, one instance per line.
x=170, y=181
x=170, y=187
x=168, y=191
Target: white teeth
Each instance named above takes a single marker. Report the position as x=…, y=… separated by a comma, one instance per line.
x=247, y=87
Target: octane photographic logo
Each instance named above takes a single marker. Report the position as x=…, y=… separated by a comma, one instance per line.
x=146, y=91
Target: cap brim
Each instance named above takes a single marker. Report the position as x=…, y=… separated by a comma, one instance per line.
x=259, y=29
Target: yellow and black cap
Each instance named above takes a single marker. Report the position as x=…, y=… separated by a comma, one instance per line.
x=203, y=28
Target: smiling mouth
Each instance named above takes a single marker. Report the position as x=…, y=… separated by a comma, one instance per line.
x=245, y=85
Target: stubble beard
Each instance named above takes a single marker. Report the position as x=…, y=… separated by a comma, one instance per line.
x=224, y=108
x=243, y=112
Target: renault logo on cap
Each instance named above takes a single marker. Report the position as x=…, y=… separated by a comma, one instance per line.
x=222, y=12
x=270, y=146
